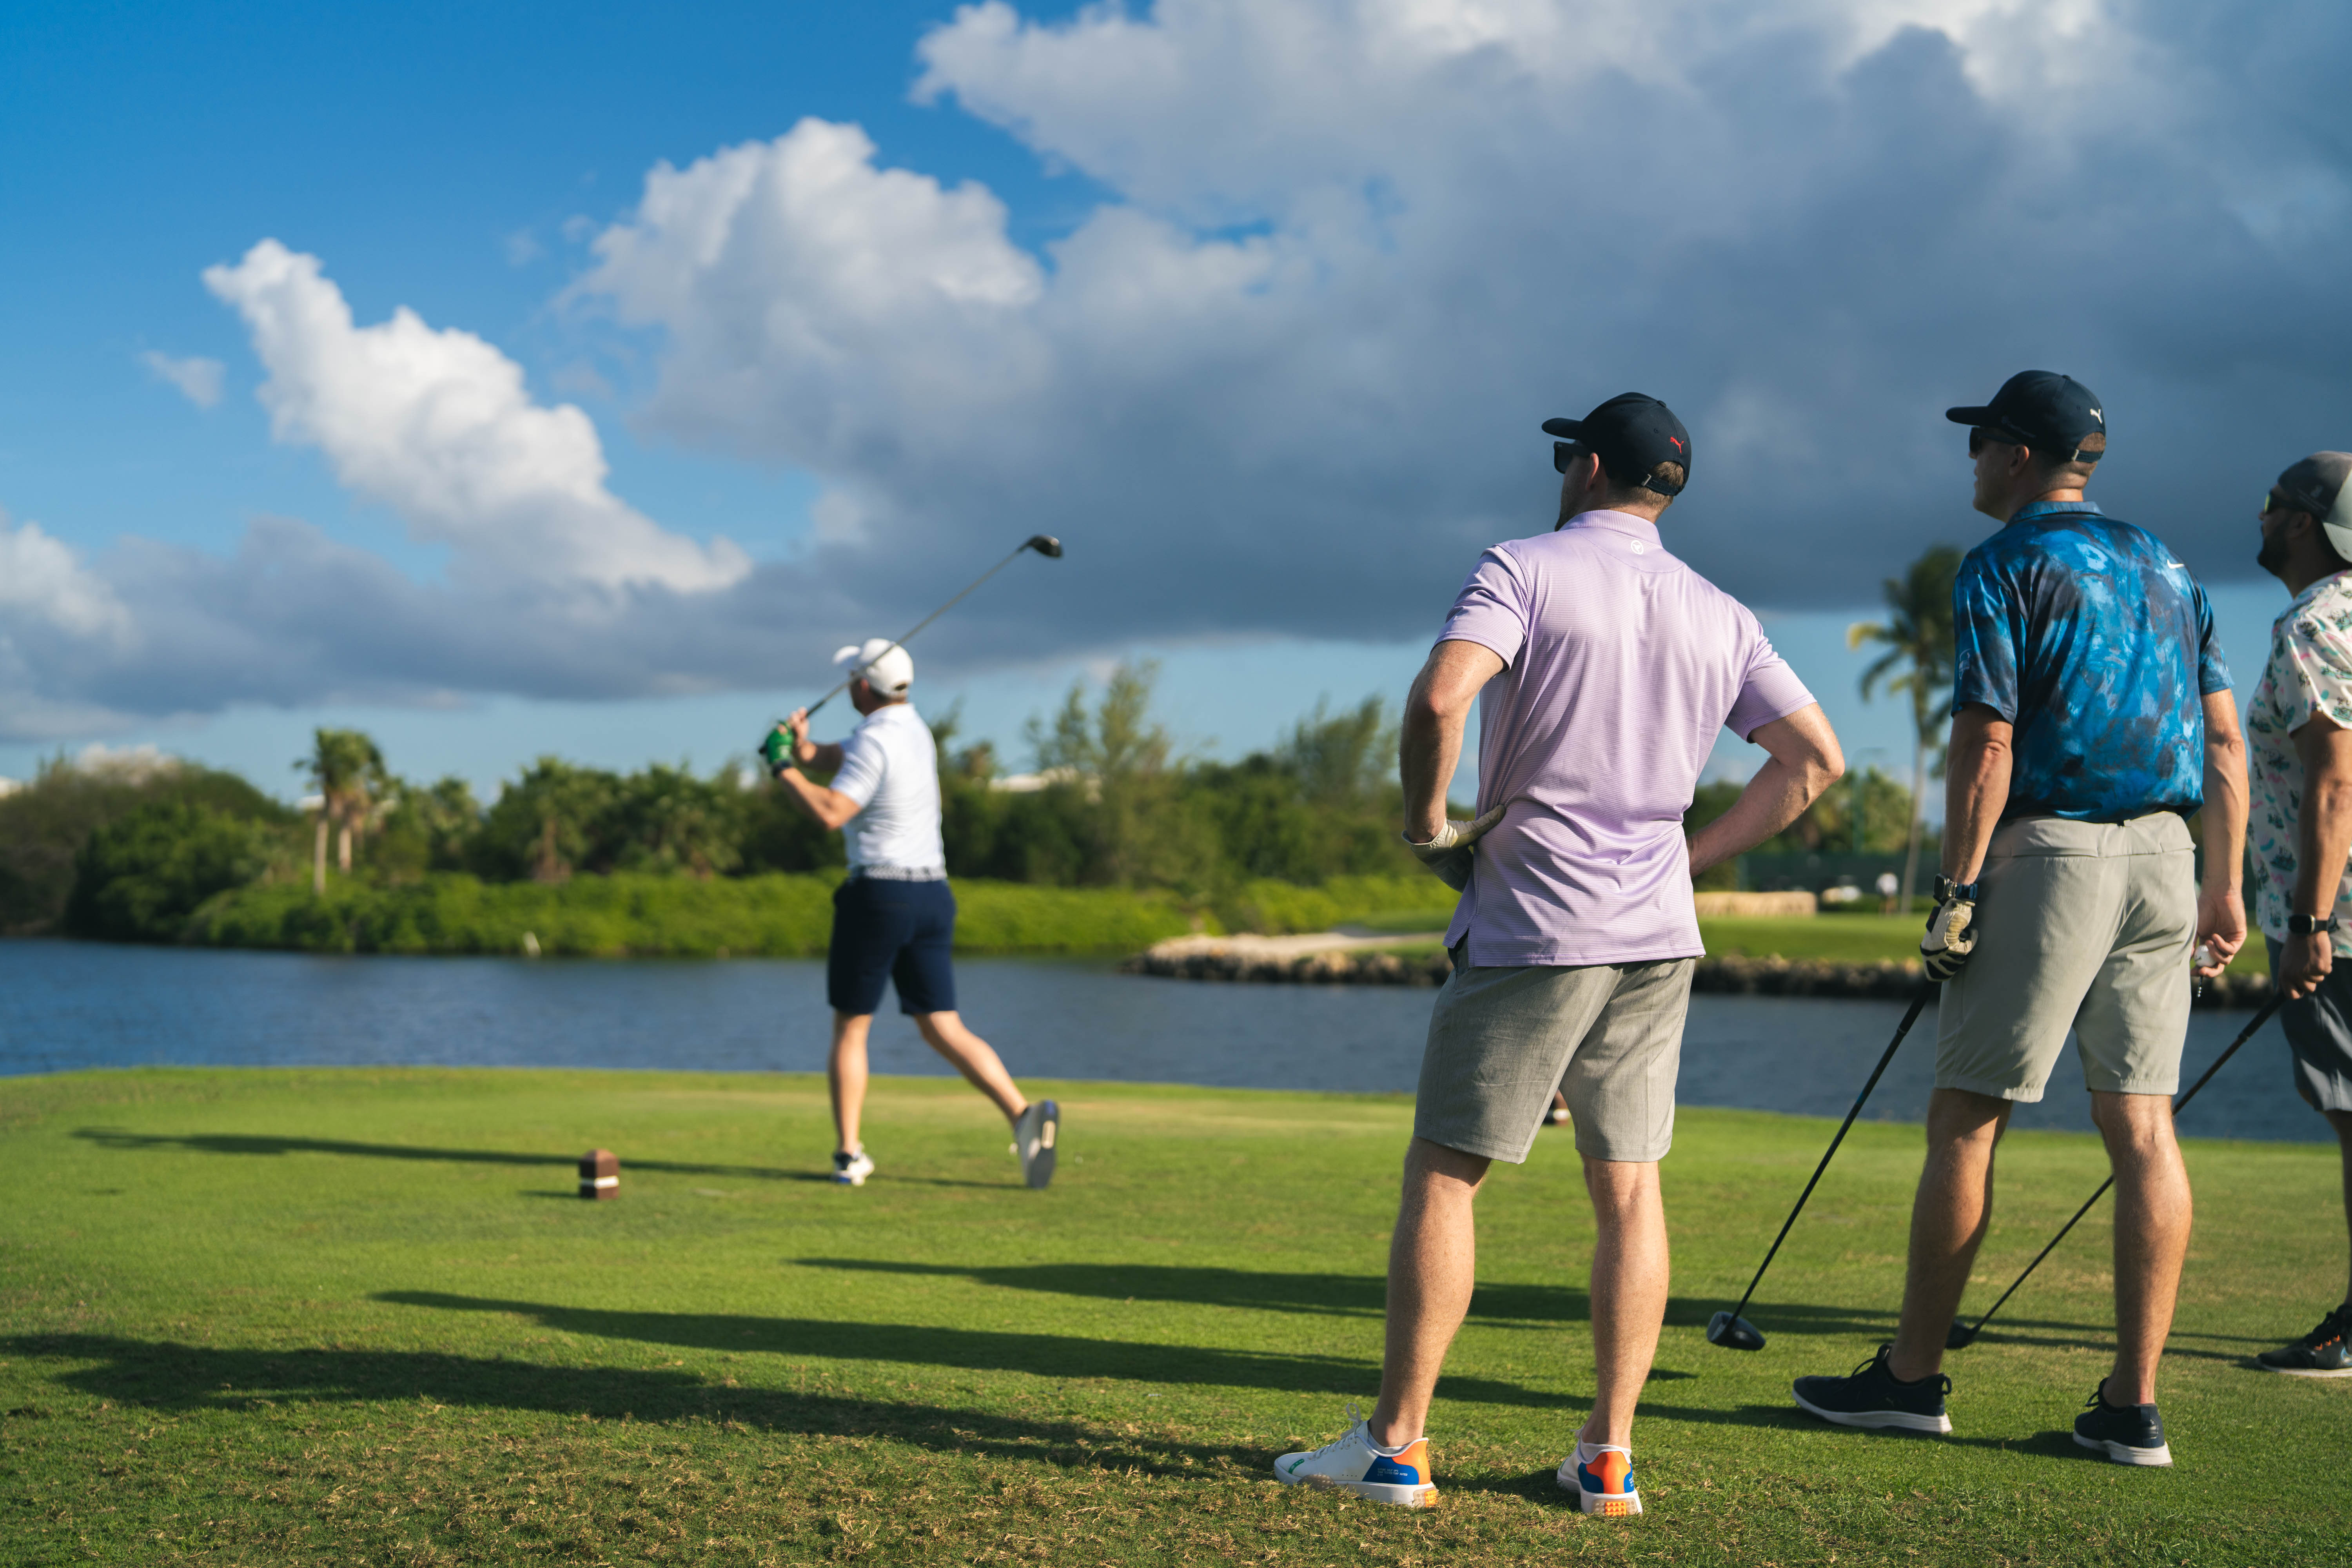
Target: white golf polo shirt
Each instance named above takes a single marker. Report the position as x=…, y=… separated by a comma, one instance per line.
x=890, y=767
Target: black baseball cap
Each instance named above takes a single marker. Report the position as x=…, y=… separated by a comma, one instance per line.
x=1632, y=434
x=2040, y=410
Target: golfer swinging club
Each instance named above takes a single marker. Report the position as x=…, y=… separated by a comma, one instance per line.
x=2091, y=714
x=893, y=918
x=1604, y=668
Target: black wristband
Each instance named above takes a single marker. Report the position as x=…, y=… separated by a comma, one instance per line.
x=1948, y=890
x=2309, y=925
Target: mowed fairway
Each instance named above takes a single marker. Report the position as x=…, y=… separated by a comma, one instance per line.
x=359, y=1317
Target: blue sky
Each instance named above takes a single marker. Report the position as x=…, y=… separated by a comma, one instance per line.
x=1257, y=305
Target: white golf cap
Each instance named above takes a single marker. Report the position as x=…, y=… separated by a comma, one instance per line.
x=881, y=664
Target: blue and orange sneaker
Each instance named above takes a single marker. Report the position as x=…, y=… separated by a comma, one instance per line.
x=1351, y=1464
x=1601, y=1476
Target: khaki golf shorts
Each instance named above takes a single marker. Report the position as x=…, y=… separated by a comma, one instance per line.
x=2086, y=926
x=1607, y=1035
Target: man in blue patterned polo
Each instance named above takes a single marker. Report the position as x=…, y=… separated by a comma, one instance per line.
x=2091, y=716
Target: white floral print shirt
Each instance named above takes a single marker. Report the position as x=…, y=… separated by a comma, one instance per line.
x=2309, y=672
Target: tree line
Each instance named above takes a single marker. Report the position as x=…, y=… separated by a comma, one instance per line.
x=130, y=850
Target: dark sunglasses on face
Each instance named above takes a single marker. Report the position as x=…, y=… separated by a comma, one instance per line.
x=1563, y=453
x=1979, y=438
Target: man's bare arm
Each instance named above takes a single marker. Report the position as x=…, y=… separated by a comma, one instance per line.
x=1801, y=760
x=1429, y=743
x=2323, y=838
x=1976, y=788
x=2220, y=902
x=829, y=806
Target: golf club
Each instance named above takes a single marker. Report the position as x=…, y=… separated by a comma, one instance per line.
x=1044, y=545
x=1960, y=1335
x=1731, y=1331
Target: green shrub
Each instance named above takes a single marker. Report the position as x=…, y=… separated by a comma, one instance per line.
x=635, y=915
x=140, y=879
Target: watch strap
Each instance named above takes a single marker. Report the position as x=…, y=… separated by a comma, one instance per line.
x=2310, y=925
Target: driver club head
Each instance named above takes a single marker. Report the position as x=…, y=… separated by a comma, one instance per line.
x=1044, y=545
x=1960, y=1336
x=1734, y=1333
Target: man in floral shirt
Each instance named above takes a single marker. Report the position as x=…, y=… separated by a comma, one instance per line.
x=2299, y=728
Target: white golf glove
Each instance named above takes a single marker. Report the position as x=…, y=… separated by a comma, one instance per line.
x=1951, y=930
x=1449, y=854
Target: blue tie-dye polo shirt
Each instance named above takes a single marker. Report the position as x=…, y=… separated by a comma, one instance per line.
x=2084, y=632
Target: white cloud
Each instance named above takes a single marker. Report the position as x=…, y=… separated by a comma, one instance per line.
x=198, y=379
x=521, y=247
x=1284, y=377
x=42, y=583
x=438, y=426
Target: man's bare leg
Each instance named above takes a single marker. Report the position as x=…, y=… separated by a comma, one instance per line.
x=1433, y=1265
x=2152, y=1219
x=1948, y=1219
x=1629, y=1291
x=945, y=1033
x=844, y=1074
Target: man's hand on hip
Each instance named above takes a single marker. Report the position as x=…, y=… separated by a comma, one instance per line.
x=2303, y=962
x=1452, y=851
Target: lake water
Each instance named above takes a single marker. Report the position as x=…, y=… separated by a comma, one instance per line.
x=66, y=1005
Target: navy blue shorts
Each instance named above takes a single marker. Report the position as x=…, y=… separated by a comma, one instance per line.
x=895, y=932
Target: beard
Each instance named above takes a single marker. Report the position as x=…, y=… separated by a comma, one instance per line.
x=2271, y=555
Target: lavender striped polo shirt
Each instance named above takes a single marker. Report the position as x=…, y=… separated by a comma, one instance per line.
x=1622, y=665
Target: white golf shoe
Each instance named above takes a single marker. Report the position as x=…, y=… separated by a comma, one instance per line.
x=1353, y=1464
x=851, y=1169
x=1033, y=1137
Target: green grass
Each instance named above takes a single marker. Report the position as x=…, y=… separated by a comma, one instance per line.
x=282, y=1317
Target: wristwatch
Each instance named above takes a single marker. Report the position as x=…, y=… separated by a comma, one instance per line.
x=1946, y=890
x=2309, y=925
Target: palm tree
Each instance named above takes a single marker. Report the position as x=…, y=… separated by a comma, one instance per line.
x=1917, y=634
x=348, y=771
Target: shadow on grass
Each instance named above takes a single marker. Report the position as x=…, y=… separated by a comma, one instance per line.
x=257, y=1144
x=167, y=1376
x=974, y=1349
x=1335, y=1295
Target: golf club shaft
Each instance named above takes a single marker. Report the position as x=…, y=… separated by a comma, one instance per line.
x=1926, y=989
x=2179, y=1105
x=903, y=639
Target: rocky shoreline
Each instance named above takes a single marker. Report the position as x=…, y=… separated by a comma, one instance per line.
x=1731, y=975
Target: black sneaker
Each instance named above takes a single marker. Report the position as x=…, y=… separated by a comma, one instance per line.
x=2326, y=1352
x=2127, y=1434
x=1873, y=1397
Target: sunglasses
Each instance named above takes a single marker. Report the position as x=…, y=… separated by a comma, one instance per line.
x=1979, y=438
x=1564, y=453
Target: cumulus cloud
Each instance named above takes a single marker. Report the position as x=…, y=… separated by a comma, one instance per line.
x=438, y=426
x=1355, y=249
x=198, y=379
x=1284, y=376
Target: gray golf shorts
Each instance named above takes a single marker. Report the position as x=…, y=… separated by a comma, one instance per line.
x=2084, y=926
x=2319, y=1032
x=1607, y=1035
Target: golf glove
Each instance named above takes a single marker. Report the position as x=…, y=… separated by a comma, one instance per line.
x=1951, y=930
x=1450, y=853
x=777, y=748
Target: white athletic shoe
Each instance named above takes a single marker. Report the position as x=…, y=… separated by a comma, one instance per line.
x=851, y=1169
x=1350, y=1464
x=1033, y=1137
x=1601, y=1476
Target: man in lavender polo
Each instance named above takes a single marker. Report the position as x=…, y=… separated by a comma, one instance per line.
x=1603, y=667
